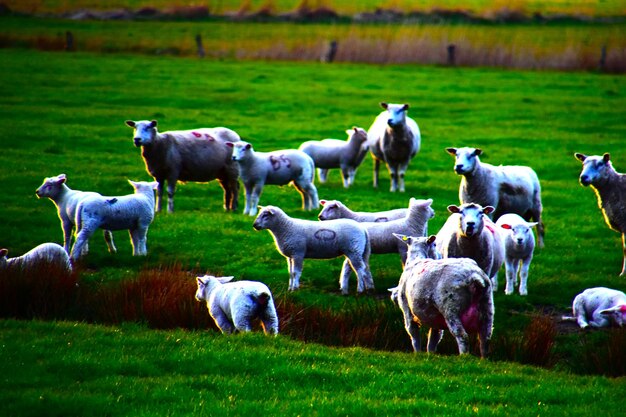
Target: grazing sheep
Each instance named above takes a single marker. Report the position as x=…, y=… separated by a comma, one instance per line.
x=275, y=168
x=134, y=212
x=235, y=305
x=298, y=239
x=66, y=200
x=599, y=307
x=610, y=188
x=198, y=155
x=469, y=233
x=41, y=258
x=510, y=189
x=519, y=244
x=453, y=294
x=335, y=209
x=394, y=138
x=335, y=153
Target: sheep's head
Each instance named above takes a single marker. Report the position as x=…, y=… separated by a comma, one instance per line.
x=519, y=233
x=207, y=284
x=51, y=186
x=357, y=135
x=396, y=113
x=617, y=314
x=144, y=187
x=422, y=206
x=419, y=247
x=465, y=159
x=265, y=218
x=471, y=221
x=595, y=168
x=144, y=131
x=330, y=210
x=240, y=150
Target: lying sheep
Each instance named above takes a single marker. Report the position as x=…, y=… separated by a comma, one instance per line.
x=47, y=256
x=610, y=188
x=198, y=155
x=298, y=239
x=446, y=294
x=599, y=307
x=66, y=200
x=134, y=212
x=469, y=233
x=335, y=153
x=335, y=209
x=394, y=138
x=519, y=244
x=275, y=168
x=510, y=189
x=236, y=305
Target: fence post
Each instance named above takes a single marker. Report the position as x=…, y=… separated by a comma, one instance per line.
x=331, y=51
x=69, y=41
x=602, y=63
x=199, y=45
x=451, y=54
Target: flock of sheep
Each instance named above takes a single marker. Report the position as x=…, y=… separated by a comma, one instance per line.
x=448, y=279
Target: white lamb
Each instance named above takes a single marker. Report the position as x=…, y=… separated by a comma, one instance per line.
x=610, y=188
x=42, y=258
x=445, y=294
x=519, y=244
x=236, y=305
x=257, y=169
x=298, y=239
x=599, y=307
x=66, y=200
x=510, y=189
x=335, y=209
x=133, y=212
x=335, y=153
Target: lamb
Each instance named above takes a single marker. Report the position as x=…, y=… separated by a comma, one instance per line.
x=198, y=155
x=235, y=305
x=45, y=257
x=599, y=307
x=519, y=244
x=298, y=239
x=394, y=138
x=610, y=188
x=510, y=189
x=469, y=233
x=453, y=294
x=134, y=212
x=66, y=200
x=276, y=168
x=335, y=153
x=335, y=209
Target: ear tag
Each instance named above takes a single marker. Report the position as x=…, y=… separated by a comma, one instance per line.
x=405, y=238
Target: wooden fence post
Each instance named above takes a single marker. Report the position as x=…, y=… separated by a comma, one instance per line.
x=330, y=52
x=69, y=41
x=199, y=45
x=451, y=54
x=602, y=63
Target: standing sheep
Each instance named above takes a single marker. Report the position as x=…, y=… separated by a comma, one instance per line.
x=335, y=153
x=443, y=294
x=45, y=257
x=394, y=138
x=510, y=189
x=610, y=188
x=236, y=305
x=599, y=307
x=188, y=155
x=519, y=244
x=298, y=239
x=66, y=200
x=275, y=168
x=335, y=209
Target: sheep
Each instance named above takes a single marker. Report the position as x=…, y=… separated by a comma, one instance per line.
x=276, y=168
x=134, y=212
x=394, y=138
x=235, y=305
x=510, y=188
x=198, y=155
x=599, y=307
x=610, y=188
x=453, y=294
x=297, y=239
x=335, y=209
x=66, y=200
x=335, y=153
x=41, y=258
x=519, y=244
x=469, y=233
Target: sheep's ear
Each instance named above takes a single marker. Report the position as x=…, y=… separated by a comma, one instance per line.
x=230, y=144
x=405, y=107
x=384, y=105
x=61, y=178
x=153, y=123
x=581, y=157
x=404, y=238
x=431, y=239
x=451, y=151
x=200, y=281
x=606, y=157
x=391, y=290
x=532, y=224
x=453, y=209
x=224, y=280
x=3, y=252
x=506, y=226
x=130, y=123
x=322, y=202
x=154, y=185
x=488, y=209
x=478, y=151
x=248, y=145
x=610, y=311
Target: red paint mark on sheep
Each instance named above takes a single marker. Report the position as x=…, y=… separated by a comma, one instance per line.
x=196, y=134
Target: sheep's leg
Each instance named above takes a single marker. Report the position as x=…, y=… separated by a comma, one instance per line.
x=295, y=270
x=135, y=241
x=434, y=337
x=624, y=251
x=579, y=310
x=255, y=196
x=376, y=171
x=222, y=322
x=346, y=177
x=535, y=212
x=270, y=320
x=494, y=282
x=322, y=174
x=393, y=173
x=525, y=265
x=67, y=226
x=248, y=189
x=82, y=237
x=171, y=189
x=108, y=238
x=242, y=321
x=363, y=274
x=344, y=278
x=309, y=194
x=485, y=326
x=351, y=175
x=138, y=239
x=511, y=273
x=159, y=196
x=229, y=181
x=456, y=328
x=410, y=325
x=598, y=320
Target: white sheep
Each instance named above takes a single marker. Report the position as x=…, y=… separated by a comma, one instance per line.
x=599, y=307
x=394, y=138
x=335, y=209
x=236, y=305
x=42, y=258
x=66, y=200
x=298, y=239
x=445, y=294
x=132, y=212
x=509, y=188
x=519, y=244
x=335, y=153
x=288, y=166
x=610, y=188
x=469, y=233
x=198, y=155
